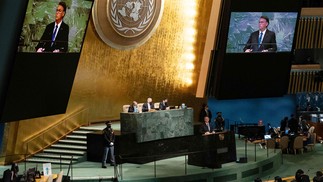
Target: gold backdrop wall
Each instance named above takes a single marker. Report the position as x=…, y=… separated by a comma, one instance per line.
x=107, y=78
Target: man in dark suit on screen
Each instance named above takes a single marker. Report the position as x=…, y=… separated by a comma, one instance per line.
x=262, y=40
x=55, y=36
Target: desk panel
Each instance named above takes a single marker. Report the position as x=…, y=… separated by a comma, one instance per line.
x=150, y=126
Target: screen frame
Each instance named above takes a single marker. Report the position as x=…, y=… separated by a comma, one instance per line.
x=40, y=84
x=221, y=62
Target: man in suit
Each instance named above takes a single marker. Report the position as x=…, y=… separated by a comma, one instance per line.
x=163, y=105
x=133, y=107
x=262, y=40
x=148, y=105
x=205, y=111
x=55, y=36
x=206, y=127
x=108, y=136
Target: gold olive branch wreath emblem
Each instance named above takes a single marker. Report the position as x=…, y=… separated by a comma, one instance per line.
x=118, y=24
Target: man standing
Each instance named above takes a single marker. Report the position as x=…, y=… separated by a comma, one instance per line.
x=206, y=128
x=262, y=40
x=55, y=36
x=205, y=111
x=108, y=135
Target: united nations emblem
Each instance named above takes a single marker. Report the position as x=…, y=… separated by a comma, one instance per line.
x=127, y=23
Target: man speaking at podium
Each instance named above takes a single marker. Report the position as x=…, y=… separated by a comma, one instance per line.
x=55, y=36
x=262, y=40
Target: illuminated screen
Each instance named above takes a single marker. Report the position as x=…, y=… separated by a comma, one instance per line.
x=46, y=59
x=242, y=24
x=247, y=63
x=39, y=14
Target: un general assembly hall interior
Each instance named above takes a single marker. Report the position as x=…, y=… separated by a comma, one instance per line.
x=161, y=90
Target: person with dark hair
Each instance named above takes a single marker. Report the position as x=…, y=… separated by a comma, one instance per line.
x=205, y=111
x=257, y=180
x=55, y=36
x=300, y=176
x=278, y=179
x=262, y=40
x=163, y=105
x=108, y=136
x=293, y=123
x=318, y=177
x=11, y=175
x=219, y=121
x=133, y=107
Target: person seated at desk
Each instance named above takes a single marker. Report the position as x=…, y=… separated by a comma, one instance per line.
x=149, y=105
x=133, y=107
x=163, y=105
x=206, y=127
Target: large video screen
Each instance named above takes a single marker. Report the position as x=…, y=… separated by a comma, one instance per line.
x=48, y=52
x=254, y=49
x=39, y=24
x=243, y=24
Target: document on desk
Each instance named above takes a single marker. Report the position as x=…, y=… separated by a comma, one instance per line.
x=47, y=168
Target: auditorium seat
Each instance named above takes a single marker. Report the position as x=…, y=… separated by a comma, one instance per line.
x=313, y=142
x=156, y=105
x=125, y=108
x=298, y=144
x=284, y=143
x=140, y=106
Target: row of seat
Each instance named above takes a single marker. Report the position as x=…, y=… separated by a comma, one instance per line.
x=298, y=143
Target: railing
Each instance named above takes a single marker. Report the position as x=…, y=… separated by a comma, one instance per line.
x=56, y=132
x=23, y=167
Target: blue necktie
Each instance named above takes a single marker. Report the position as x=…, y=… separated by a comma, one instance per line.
x=259, y=40
x=53, y=36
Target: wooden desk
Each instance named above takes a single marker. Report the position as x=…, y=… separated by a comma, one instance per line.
x=45, y=178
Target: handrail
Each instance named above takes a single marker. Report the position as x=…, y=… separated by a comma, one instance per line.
x=56, y=132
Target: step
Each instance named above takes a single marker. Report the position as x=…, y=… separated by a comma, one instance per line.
x=94, y=127
x=56, y=156
x=44, y=160
x=81, y=142
x=81, y=137
x=76, y=147
x=82, y=132
x=61, y=151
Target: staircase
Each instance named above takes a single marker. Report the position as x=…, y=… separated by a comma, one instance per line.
x=74, y=145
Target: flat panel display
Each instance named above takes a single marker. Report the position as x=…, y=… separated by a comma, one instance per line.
x=46, y=59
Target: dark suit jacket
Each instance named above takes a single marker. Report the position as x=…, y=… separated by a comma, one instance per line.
x=268, y=42
x=145, y=107
x=204, y=128
x=204, y=113
x=163, y=106
x=61, y=41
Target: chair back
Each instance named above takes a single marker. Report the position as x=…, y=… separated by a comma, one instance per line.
x=125, y=108
x=50, y=178
x=59, y=177
x=313, y=138
x=140, y=106
x=298, y=142
x=271, y=144
x=284, y=142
